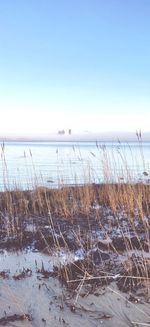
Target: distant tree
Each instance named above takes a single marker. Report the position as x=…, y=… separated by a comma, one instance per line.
x=61, y=132
x=69, y=131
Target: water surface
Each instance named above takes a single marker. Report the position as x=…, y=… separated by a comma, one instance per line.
x=28, y=164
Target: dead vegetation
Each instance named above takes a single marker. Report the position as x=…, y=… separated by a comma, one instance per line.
x=120, y=212
x=70, y=202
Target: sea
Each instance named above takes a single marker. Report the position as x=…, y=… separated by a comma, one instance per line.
x=27, y=165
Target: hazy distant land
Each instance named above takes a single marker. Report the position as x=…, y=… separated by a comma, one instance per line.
x=85, y=136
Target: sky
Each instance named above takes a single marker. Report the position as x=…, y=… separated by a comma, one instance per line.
x=79, y=64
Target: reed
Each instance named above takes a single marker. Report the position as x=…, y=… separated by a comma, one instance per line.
x=87, y=202
x=79, y=200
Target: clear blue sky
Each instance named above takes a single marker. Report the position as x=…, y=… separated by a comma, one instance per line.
x=79, y=60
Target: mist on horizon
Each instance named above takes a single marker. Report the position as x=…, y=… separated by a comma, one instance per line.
x=69, y=135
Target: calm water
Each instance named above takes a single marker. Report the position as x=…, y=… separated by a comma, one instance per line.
x=28, y=164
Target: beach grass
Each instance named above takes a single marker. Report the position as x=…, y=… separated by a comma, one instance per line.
x=87, y=202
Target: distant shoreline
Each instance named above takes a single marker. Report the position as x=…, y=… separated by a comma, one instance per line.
x=78, y=137
x=73, y=140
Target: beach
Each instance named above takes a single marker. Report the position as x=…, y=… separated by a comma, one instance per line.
x=75, y=255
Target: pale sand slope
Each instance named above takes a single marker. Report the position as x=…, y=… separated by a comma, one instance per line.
x=46, y=298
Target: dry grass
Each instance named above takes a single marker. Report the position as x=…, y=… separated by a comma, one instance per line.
x=70, y=202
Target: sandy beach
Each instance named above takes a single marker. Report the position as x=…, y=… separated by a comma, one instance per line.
x=93, y=269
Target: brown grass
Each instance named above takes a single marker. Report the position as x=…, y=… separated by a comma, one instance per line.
x=69, y=202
